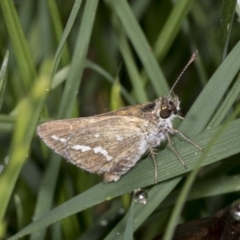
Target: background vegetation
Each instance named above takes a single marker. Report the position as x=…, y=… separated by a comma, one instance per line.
x=63, y=59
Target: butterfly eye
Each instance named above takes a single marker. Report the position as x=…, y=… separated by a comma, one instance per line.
x=165, y=112
x=174, y=109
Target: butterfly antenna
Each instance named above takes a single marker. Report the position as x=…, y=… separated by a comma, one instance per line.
x=193, y=57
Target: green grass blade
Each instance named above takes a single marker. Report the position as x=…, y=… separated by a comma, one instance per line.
x=228, y=12
x=46, y=193
x=208, y=188
x=61, y=76
x=171, y=28
x=66, y=32
x=115, y=97
x=227, y=104
x=210, y=95
x=110, y=79
x=128, y=234
x=143, y=212
x=171, y=167
x=3, y=78
x=168, y=235
x=19, y=212
x=78, y=60
x=135, y=77
x=20, y=46
x=26, y=122
x=210, y=92
x=57, y=26
x=139, y=42
x=226, y=145
x=202, y=111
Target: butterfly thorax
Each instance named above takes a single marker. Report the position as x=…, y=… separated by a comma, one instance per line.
x=160, y=120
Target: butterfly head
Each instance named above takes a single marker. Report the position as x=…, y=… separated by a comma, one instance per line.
x=168, y=106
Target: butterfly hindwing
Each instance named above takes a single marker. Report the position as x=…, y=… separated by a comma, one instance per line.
x=112, y=146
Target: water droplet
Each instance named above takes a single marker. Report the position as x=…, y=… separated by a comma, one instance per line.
x=121, y=211
x=108, y=198
x=209, y=128
x=196, y=153
x=140, y=196
x=118, y=233
x=235, y=210
x=6, y=159
x=103, y=223
x=1, y=168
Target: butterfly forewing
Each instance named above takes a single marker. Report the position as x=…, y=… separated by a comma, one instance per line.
x=106, y=146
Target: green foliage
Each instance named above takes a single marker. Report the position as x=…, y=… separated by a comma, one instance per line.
x=75, y=49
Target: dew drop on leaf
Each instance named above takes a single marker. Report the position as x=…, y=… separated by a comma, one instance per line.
x=140, y=196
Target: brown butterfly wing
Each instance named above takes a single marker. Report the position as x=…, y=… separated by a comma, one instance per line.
x=56, y=133
x=110, y=147
x=108, y=144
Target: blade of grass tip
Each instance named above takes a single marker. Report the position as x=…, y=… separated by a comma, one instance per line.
x=19, y=212
x=140, y=44
x=26, y=121
x=67, y=29
x=128, y=235
x=134, y=75
x=190, y=180
x=60, y=77
x=44, y=201
x=20, y=46
x=227, y=145
x=105, y=74
x=115, y=97
x=3, y=77
x=228, y=12
x=171, y=28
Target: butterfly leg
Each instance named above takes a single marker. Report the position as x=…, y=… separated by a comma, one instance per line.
x=182, y=118
x=151, y=151
x=187, y=139
x=175, y=150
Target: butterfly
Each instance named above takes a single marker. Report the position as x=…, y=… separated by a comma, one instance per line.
x=112, y=143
